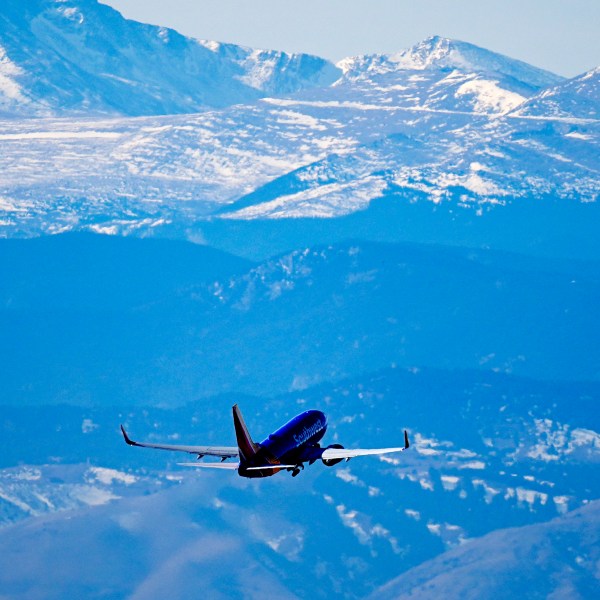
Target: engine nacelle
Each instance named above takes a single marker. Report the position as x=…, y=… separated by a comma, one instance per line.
x=333, y=461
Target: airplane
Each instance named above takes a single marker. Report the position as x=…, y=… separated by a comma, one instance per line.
x=287, y=449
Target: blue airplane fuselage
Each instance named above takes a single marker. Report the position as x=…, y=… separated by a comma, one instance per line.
x=295, y=442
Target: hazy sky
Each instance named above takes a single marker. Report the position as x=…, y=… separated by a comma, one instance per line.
x=560, y=35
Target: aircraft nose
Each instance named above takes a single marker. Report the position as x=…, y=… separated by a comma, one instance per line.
x=317, y=414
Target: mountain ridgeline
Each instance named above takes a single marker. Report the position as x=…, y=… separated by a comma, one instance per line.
x=443, y=142
x=163, y=322
x=81, y=57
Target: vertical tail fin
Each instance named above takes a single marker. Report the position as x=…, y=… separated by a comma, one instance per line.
x=247, y=448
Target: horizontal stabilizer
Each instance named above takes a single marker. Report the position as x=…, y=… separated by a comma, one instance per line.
x=232, y=466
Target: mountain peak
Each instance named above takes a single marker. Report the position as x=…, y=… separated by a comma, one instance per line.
x=434, y=50
x=440, y=53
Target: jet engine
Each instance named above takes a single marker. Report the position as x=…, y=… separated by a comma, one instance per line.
x=333, y=461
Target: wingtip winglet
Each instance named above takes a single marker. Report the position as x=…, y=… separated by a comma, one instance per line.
x=406, y=442
x=128, y=441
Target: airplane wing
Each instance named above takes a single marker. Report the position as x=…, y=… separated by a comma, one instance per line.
x=333, y=453
x=221, y=451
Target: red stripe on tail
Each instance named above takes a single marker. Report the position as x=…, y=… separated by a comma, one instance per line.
x=247, y=448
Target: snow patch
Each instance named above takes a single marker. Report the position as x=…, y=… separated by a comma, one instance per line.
x=561, y=503
x=345, y=475
x=18, y=503
x=361, y=528
x=28, y=474
x=555, y=440
x=531, y=496
x=55, y=135
x=289, y=117
x=578, y=136
x=9, y=88
x=490, y=492
x=107, y=476
x=449, y=482
x=429, y=446
x=87, y=426
x=474, y=464
x=426, y=484
x=92, y=496
x=489, y=97
x=325, y=201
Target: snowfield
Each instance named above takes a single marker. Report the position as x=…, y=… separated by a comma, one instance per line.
x=410, y=124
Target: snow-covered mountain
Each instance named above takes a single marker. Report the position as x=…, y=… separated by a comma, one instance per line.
x=577, y=98
x=448, y=55
x=478, y=166
x=443, y=126
x=455, y=135
x=441, y=73
x=62, y=57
